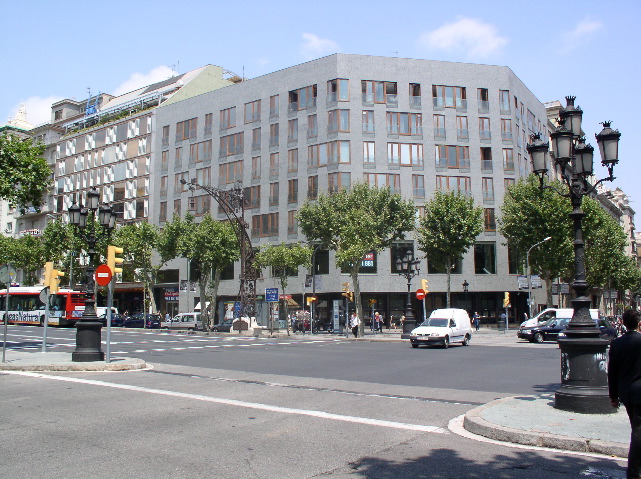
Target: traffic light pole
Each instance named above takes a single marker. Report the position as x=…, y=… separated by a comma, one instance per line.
x=46, y=323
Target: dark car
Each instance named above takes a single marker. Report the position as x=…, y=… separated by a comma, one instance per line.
x=140, y=320
x=223, y=327
x=117, y=320
x=554, y=328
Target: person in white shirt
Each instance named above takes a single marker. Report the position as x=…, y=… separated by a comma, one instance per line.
x=354, y=323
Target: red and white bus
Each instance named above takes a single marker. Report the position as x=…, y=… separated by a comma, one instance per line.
x=25, y=306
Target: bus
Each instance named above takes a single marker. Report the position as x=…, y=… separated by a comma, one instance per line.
x=25, y=306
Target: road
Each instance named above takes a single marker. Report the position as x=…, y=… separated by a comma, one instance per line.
x=295, y=407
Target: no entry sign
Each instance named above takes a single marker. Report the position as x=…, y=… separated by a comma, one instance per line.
x=420, y=294
x=103, y=275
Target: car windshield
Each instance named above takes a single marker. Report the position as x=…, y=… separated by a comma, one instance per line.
x=436, y=322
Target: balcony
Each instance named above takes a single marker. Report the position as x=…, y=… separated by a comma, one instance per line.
x=439, y=133
x=415, y=102
x=463, y=134
x=484, y=106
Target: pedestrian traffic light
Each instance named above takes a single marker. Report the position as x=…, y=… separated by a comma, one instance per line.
x=506, y=300
x=54, y=282
x=425, y=286
x=112, y=260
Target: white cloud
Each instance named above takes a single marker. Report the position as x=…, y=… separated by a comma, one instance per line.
x=314, y=47
x=468, y=35
x=581, y=33
x=38, y=109
x=139, y=80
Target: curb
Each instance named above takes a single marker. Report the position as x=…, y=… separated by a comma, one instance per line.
x=121, y=364
x=474, y=423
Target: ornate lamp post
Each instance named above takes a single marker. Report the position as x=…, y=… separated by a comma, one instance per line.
x=466, y=289
x=88, y=345
x=409, y=267
x=583, y=353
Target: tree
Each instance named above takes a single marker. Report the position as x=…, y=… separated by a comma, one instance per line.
x=356, y=222
x=529, y=215
x=29, y=255
x=209, y=245
x=25, y=173
x=447, y=230
x=138, y=241
x=284, y=259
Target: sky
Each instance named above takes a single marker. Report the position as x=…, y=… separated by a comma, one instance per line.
x=589, y=49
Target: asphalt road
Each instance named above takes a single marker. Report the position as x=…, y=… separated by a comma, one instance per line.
x=287, y=408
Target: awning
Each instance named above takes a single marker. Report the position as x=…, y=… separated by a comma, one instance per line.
x=291, y=302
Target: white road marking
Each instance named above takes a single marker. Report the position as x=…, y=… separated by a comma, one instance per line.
x=243, y=404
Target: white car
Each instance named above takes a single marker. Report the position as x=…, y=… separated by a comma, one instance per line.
x=188, y=321
x=551, y=313
x=444, y=327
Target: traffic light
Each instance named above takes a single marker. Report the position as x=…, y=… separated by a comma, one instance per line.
x=345, y=290
x=48, y=270
x=311, y=299
x=112, y=260
x=506, y=300
x=425, y=286
x=350, y=296
x=54, y=282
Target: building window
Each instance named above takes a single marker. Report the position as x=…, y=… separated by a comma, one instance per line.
x=163, y=185
x=177, y=207
x=368, y=152
x=178, y=158
x=187, y=129
x=292, y=191
x=165, y=136
x=273, y=106
x=312, y=126
x=486, y=158
x=379, y=92
x=328, y=153
x=337, y=182
x=490, y=220
x=415, y=95
x=252, y=111
x=292, y=223
x=312, y=187
x=508, y=159
x=484, y=129
x=292, y=161
x=449, y=97
x=405, y=154
x=203, y=176
x=163, y=211
x=368, y=121
x=164, y=164
x=178, y=186
x=201, y=205
x=384, y=180
x=504, y=101
x=199, y=152
x=485, y=258
x=508, y=183
x=418, y=186
x=256, y=139
x=292, y=130
x=256, y=168
x=228, y=118
x=209, y=121
x=273, y=134
x=404, y=123
x=265, y=225
x=232, y=144
x=506, y=129
x=303, y=98
x=273, y=194
x=484, y=100
x=462, y=184
x=452, y=156
x=337, y=90
x=488, y=189
x=439, y=126
x=274, y=164
x=252, y=196
x=338, y=121
x=230, y=172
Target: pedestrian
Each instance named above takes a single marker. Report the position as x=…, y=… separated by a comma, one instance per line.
x=167, y=317
x=354, y=323
x=376, y=324
x=624, y=384
x=504, y=319
x=381, y=322
x=477, y=320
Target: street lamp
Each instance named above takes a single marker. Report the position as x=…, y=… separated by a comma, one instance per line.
x=88, y=345
x=529, y=275
x=466, y=288
x=584, y=384
x=409, y=267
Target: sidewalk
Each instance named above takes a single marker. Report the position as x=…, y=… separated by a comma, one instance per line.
x=529, y=420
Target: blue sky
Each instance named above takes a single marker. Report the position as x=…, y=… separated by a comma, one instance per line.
x=590, y=49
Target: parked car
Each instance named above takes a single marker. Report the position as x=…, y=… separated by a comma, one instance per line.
x=140, y=320
x=117, y=320
x=551, y=313
x=223, y=327
x=188, y=321
x=444, y=326
x=553, y=328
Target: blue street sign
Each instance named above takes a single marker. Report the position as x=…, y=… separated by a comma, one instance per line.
x=271, y=295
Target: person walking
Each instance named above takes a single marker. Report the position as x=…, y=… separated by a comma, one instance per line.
x=354, y=323
x=624, y=384
x=476, y=319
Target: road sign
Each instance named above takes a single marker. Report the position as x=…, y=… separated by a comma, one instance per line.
x=103, y=275
x=271, y=295
x=7, y=273
x=43, y=294
x=420, y=294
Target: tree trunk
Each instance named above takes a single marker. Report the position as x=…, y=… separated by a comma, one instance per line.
x=357, y=302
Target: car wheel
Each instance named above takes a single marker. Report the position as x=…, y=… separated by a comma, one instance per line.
x=415, y=345
x=446, y=342
x=466, y=341
x=538, y=338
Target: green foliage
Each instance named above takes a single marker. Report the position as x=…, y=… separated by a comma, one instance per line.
x=284, y=258
x=29, y=254
x=25, y=173
x=450, y=226
x=355, y=222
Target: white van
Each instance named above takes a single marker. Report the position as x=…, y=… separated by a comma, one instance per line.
x=551, y=313
x=188, y=321
x=444, y=326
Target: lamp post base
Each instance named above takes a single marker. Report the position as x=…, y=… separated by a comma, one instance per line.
x=584, y=387
x=408, y=326
x=88, y=344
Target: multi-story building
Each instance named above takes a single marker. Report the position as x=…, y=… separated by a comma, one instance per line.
x=412, y=125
